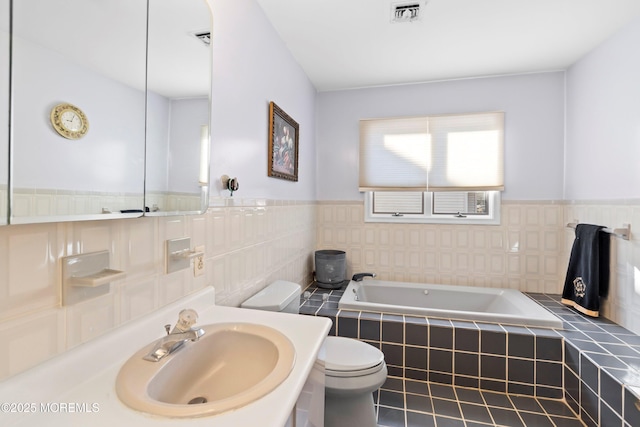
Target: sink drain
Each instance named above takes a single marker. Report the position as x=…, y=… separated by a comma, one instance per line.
x=198, y=400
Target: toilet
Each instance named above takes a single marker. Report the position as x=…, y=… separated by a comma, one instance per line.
x=353, y=369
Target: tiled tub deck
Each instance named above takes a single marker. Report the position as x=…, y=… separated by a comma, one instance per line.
x=593, y=364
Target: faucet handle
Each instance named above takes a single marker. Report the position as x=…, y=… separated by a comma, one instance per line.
x=186, y=319
x=167, y=328
x=359, y=276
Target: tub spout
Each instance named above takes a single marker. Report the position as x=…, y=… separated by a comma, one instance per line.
x=359, y=276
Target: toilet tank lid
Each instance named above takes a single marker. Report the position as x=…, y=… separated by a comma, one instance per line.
x=274, y=297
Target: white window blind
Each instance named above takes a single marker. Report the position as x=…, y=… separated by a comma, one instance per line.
x=450, y=202
x=398, y=202
x=433, y=153
x=461, y=202
x=394, y=154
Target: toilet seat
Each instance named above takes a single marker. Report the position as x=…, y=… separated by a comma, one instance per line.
x=348, y=357
x=350, y=374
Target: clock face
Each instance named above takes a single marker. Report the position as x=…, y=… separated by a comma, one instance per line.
x=69, y=121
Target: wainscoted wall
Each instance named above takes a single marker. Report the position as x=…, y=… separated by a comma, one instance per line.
x=529, y=251
x=44, y=202
x=248, y=244
x=525, y=252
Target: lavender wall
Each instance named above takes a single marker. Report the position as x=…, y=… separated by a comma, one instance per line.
x=534, y=136
x=109, y=158
x=157, y=142
x=4, y=110
x=187, y=116
x=251, y=67
x=603, y=120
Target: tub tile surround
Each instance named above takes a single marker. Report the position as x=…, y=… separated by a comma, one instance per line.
x=460, y=353
x=525, y=252
x=528, y=251
x=248, y=243
x=593, y=364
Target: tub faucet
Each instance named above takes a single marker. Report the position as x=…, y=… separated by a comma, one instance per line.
x=176, y=337
x=359, y=276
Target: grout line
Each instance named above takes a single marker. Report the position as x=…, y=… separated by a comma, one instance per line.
x=455, y=390
x=591, y=330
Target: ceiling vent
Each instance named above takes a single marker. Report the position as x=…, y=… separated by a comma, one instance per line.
x=203, y=36
x=406, y=11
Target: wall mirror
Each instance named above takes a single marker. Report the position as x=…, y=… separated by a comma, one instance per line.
x=91, y=55
x=178, y=100
x=79, y=62
x=4, y=110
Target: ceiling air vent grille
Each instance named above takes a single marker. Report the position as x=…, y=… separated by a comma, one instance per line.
x=203, y=36
x=405, y=12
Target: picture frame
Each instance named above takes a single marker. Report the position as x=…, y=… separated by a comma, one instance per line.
x=283, y=144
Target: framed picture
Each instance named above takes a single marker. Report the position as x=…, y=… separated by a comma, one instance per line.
x=283, y=144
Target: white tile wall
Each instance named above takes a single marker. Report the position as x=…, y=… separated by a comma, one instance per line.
x=529, y=251
x=90, y=319
x=248, y=244
x=30, y=202
x=42, y=336
x=525, y=252
x=623, y=302
x=28, y=268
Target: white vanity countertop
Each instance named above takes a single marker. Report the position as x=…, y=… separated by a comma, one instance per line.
x=84, y=377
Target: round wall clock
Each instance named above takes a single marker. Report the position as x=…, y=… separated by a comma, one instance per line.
x=69, y=121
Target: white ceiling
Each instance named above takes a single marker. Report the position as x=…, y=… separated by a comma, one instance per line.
x=110, y=37
x=344, y=44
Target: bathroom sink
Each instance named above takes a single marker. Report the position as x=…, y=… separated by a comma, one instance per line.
x=230, y=366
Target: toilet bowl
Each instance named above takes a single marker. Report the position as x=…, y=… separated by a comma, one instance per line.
x=353, y=369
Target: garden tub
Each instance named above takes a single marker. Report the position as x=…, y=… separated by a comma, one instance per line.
x=492, y=305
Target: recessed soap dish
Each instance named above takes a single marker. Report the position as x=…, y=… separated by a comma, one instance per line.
x=87, y=276
x=100, y=278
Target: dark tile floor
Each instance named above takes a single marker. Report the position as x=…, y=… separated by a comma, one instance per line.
x=590, y=344
x=406, y=403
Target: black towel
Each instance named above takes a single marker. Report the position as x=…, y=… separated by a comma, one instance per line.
x=588, y=273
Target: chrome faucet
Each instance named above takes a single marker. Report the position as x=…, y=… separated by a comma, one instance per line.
x=176, y=337
x=359, y=276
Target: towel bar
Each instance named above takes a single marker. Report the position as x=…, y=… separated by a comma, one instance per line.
x=624, y=233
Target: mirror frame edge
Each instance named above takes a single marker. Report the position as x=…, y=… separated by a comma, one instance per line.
x=204, y=189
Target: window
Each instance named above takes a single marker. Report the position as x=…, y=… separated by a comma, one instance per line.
x=460, y=203
x=457, y=207
x=446, y=168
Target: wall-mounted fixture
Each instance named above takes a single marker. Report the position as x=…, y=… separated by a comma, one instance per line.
x=203, y=35
x=407, y=11
x=69, y=121
x=87, y=276
x=624, y=232
x=230, y=184
x=178, y=254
